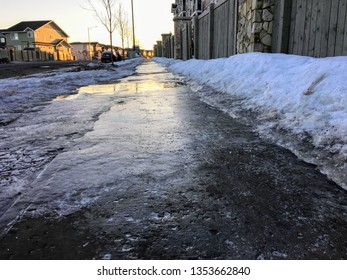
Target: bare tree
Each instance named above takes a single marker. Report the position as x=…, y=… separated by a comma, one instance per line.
x=122, y=24
x=105, y=12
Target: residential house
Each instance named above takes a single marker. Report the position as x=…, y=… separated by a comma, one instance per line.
x=186, y=8
x=194, y=7
x=86, y=50
x=43, y=37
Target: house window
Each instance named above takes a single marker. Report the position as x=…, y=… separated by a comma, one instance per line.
x=198, y=4
x=14, y=36
x=30, y=34
x=2, y=40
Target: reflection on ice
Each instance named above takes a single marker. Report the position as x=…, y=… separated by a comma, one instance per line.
x=128, y=87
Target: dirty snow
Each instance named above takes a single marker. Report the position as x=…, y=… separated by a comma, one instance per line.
x=299, y=102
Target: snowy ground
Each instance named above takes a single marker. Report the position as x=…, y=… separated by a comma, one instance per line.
x=298, y=102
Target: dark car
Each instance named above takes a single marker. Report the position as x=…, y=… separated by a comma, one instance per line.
x=106, y=57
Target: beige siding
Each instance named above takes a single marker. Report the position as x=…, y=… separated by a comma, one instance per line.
x=48, y=34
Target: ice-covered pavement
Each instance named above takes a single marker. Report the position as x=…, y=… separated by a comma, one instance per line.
x=21, y=95
x=49, y=114
x=298, y=102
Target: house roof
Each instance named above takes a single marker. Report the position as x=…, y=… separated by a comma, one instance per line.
x=61, y=42
x=34, y=25
x=86, y=43
x=28, y=24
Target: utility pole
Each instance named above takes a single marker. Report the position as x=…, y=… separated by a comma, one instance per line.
x=132, y=13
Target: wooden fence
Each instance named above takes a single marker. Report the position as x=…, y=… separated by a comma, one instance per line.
x=217, y=31
x=315, y=28
x=26, y=55
x=186, y=42
x=203, y=40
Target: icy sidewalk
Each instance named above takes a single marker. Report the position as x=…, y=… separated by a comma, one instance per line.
x=298, y=102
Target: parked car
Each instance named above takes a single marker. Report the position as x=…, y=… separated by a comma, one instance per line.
x=106, y=57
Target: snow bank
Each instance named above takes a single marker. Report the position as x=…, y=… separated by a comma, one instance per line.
x=299, y=101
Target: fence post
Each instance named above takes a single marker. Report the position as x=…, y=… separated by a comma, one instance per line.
x=189, y=40
x=211, y=31
x=196, y=36
x=172, y=48
x=281, y=30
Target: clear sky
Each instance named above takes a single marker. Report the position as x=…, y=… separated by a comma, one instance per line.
x=152, y=18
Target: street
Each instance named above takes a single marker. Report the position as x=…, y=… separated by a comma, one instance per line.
x=149, y=171
x=28, y=68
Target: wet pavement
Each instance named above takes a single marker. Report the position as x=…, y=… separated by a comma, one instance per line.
x=162, y=175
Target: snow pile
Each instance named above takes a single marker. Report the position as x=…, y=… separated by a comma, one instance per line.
x=299, y=102
x=20, y=95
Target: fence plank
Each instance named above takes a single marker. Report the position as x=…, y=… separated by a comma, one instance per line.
x=319, y=28
x=292, y=27
x=277, y=30
x=299, y=28
x=203, y=36
x=333, y=27
x=282, y=25
x=313, y=25
x=223, y=30
x=232, y=28
x=341, y=28
x=307, y=28
x=211, y=31
x=196, y=36
x=220, y=30
x=325, y=19
x=184, y=47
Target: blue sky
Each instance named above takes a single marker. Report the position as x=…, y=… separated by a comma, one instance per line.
x=152, y=18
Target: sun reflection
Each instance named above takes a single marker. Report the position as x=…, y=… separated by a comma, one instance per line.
x=127, y=87
x=60, y=97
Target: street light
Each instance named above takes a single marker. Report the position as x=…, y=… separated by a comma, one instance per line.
x=90, y=56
